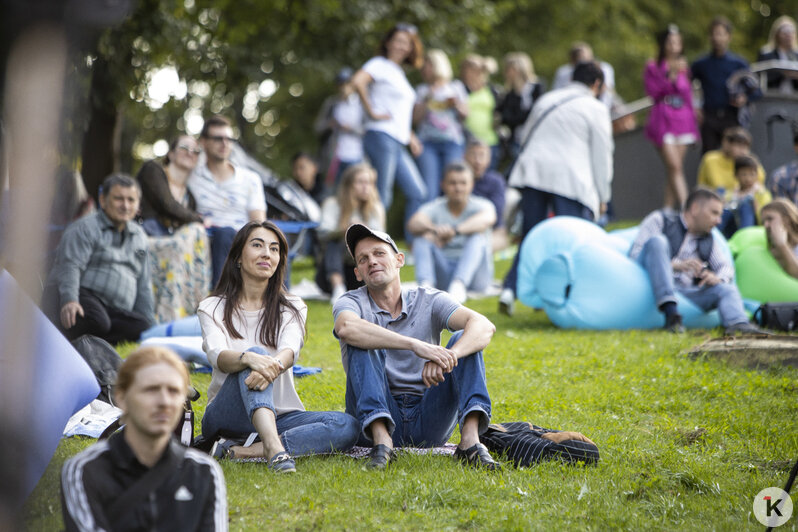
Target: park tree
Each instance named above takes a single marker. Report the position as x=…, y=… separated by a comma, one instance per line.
x=269, y=65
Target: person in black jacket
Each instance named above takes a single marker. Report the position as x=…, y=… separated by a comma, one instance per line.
x=161, y=484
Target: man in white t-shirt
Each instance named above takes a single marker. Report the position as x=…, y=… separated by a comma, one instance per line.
x=227, y=196
x=453, y=245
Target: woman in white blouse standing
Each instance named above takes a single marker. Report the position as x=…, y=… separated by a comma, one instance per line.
x=388, y=100
x=252, y=332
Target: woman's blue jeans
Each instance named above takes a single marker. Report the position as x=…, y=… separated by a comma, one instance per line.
x=302, y=433
x=433, y=161
x=392, y=162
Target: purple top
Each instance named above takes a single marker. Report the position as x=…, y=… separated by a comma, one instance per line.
x=673, y=103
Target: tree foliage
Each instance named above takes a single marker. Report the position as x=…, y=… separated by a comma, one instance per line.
x=226, y=50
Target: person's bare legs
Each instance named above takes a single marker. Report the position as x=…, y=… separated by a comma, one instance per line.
x=266, y=426
x=675, y=186
x=469, y=432
x=380, y=434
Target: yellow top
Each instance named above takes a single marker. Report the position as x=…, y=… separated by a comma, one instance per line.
x=717, y=171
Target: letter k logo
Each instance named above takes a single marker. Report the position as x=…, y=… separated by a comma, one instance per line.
x=771, y=506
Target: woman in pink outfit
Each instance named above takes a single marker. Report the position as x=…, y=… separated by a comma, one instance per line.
x=671, y=125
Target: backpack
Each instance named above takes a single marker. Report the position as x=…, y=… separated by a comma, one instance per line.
x=104, y=362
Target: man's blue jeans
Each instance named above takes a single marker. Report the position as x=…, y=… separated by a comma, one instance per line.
x=302, y=433
x=535, y=205
x=474, y=267
x=655, y=257
x=432, y=162
x=392, y=162
x=416, y=420
x=221, y=239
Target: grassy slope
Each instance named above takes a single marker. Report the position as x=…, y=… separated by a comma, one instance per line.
x=685, y=444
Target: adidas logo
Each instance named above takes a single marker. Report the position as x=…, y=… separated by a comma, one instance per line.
x=182, y=494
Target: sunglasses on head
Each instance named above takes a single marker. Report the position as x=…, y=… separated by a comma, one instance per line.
x=409, y=28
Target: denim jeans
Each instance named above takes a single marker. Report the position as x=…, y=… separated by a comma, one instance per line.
x=392, y=162
x=418, y=420
x=230, y=413
x=432, y=162
x=474, y=267
x=743, y=215
x=535, y=206
x=655, y=257
x=221, y=240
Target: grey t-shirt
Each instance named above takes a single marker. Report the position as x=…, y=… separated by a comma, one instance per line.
x=440, y=214
x=425, y=313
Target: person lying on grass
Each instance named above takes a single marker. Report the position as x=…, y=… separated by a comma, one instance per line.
x=252, y=332
x=401, y=384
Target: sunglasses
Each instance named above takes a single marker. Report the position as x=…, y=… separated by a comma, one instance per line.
x=220, y=139
x=189, y=149
x=409, y=28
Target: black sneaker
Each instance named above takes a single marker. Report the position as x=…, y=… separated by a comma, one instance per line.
x=746, y=328
x=380, y=456
x=673, y=323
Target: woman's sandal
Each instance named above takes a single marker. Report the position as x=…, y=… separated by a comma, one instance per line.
x=282, y=463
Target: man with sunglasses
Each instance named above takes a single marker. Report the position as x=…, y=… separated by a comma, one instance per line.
x=227, y=196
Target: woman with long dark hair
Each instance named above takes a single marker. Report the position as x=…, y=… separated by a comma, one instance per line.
x=671, y=124
x=252, y=331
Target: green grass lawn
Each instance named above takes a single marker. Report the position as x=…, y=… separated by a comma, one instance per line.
x=685, y=443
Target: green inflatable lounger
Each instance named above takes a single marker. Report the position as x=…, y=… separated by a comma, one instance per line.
x=759, y=275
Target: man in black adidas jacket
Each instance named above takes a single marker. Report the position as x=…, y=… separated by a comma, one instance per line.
x=680, y=254
x=141, y=478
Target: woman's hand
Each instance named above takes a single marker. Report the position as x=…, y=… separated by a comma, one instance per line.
x=777, y=234
x=415, y=145
x=265, y=369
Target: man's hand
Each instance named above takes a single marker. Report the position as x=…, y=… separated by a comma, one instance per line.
x=559, y=437
x=708, y=278
x=443, y=357
x=739, y=100
x=69, y=314
x=432, y=374
x=264, y=370
x=693, y=266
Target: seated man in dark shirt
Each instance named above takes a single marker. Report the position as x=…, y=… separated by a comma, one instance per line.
x=141, y=478
x=100, y=281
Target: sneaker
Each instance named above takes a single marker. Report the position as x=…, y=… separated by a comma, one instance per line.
x=746, y=328
x=477, y=456
x=673, y=323
x=282, y=463
x=458, y=291
x=507, y=302
x=337, y=292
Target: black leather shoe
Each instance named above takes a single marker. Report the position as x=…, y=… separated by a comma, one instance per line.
x=477, y=456
x=673, y=323
x=380, y=456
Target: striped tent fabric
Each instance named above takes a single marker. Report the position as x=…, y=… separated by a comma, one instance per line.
x=523, y=443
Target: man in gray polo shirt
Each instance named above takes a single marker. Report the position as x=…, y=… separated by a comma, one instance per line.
x=402, y=385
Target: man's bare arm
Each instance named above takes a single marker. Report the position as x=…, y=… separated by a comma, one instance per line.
x=356, y=331
x=477, y=331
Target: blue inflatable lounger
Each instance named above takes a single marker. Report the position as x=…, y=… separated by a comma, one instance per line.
x=584, y=279
x=62, y=383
